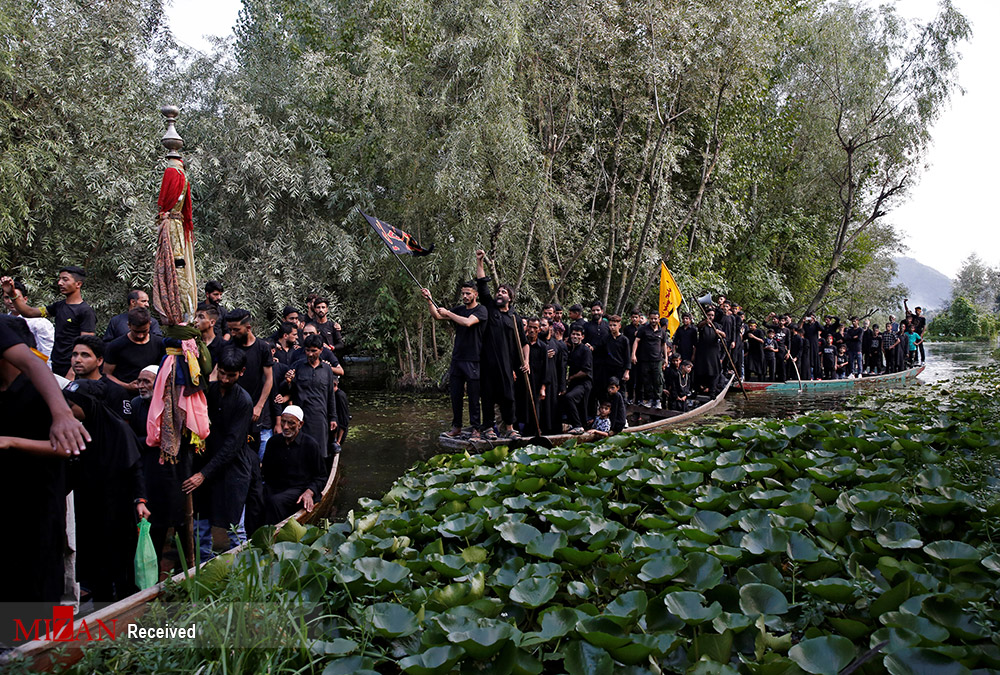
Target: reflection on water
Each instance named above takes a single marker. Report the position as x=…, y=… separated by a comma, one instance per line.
x=391, y=432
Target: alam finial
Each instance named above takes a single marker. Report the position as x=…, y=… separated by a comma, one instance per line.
x=171, y=139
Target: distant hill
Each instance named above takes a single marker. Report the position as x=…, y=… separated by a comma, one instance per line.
x=928, y=287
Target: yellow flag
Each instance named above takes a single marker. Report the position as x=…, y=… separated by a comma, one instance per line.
x=670, y=299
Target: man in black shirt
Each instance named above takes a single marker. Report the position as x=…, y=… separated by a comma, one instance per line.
x=222, y=473
x=597, y=334
x=499, y=357
x=312, y=390
x=257, y=380
x=286, y=344
x=206, y=319
x=619, y=362
x=919, y=323
x=293, y=469
x=469, y=319
x=579, y=382
x=126, y=356
x=87, y=358
x=213, y=297
x=118, y=325
x=328, y=330
x=650, y=355
x=73, y=317
x=754, y=338
x=852, y=338
x=685, y=337
x=809, y=365
x=576, y=319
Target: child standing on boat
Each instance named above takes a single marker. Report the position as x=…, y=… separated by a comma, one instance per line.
x=602, y=423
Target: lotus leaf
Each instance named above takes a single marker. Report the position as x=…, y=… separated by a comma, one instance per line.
x=582, y=658
x=433, y=661
x=833, y=589
x=921, y=661
x=757, y=599
x=484, y=641
x=826, y=655
x=765, y=540
x=534, y=591
x=897, y=535
x=953, y=553
x=391, y=620
x=689, y=607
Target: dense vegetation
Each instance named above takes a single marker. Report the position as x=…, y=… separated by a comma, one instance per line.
x=755, y=145
x=974, y=311
x=752, y=547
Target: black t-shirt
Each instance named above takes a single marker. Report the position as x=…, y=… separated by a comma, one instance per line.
x=619, y=354
x=113, y=395
x=581, y=359
x=71, y=322
x=852, y=337
x=829, y=355
x=650, y=343
x=258, y=357
x=215, y=348
x=130, y=358
x=330, y=335
x=8, y=338
x=469, y=340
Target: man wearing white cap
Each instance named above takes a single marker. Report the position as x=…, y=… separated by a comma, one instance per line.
x=293, y=470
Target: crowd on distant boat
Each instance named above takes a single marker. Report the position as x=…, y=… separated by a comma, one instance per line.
x=555, y=372
x=80, y=412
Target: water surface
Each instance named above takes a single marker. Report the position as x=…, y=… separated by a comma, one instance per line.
x=390, y=432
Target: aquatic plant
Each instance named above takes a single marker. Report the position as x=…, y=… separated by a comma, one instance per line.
x=835, y=541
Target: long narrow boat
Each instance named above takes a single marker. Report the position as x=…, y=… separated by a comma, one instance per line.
x=901, y=377
x=661, y=419
x=42, y=654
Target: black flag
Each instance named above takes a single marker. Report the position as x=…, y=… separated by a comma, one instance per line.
x=399, y=242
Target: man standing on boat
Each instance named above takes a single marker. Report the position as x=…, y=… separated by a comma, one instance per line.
x=919, y=323
x=499, y=357
x=470, y=320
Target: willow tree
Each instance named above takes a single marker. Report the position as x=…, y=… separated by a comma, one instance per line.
x=867, y=88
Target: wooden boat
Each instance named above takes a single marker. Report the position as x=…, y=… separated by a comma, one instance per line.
x=44, y=655
x=656, y=420
x=845, y=384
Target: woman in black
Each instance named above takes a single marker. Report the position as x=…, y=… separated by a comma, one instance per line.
x=708, y=361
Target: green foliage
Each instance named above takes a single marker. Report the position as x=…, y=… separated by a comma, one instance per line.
x=963, y=319
x=762, y=546
x=578, y=143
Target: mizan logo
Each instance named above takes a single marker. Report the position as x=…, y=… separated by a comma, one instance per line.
x=60, y=628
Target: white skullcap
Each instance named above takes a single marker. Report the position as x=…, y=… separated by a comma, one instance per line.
x=153, y=370
x=295, y=411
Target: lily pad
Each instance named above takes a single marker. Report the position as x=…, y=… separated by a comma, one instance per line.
x=953, y=553
x=690, y=608
x=826, y=655
x=433, y=661
x=534, y=591
x=757, y=599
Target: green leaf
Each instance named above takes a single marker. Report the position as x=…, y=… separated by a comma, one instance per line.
x=690, y=608
x=826, y=655
x=460, y=525
x=832, y=589
x=391, y=620
x=953, y=553
x=483, y=642
x=920, y=661
x=897, y=535
x=518, y=533
x=757, y=599
x=765, y=540
x=704, y=571
x=629, y=605
x=336, y=647
x=602, y=632
x=534, y=591
x=582, y=658
x=959, y=621
x=433, y=661
x=661, y=568
x=545, y=545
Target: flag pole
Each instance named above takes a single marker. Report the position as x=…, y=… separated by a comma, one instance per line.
x=398, y=259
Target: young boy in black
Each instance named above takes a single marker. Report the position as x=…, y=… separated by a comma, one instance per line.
x=770, y=356
x=617, y=402
x=829, y=358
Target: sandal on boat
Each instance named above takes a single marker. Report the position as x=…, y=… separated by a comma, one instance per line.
x=490, y=435
x=512, y=435
x=454, y=432
x=474, y=435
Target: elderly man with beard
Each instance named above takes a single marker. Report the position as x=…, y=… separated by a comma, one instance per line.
x=470, y=320
x=499, y=359
x=294, y=471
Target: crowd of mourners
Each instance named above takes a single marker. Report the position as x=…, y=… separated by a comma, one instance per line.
x=557, y=372
x=73, y=434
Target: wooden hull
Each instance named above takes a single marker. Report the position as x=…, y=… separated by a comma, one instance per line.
x=848, y=383
x=42, y=652
x=588, y=436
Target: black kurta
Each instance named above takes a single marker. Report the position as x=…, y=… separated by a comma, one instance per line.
x=707, y=365
x=288, y=470
x=226, y=461
x=163, y=480
x=312, y=390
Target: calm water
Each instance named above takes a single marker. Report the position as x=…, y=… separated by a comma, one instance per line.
x=391, y=432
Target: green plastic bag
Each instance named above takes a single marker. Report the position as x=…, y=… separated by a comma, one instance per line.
x=147, y=569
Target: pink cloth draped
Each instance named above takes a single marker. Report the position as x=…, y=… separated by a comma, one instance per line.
x=170, y=411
